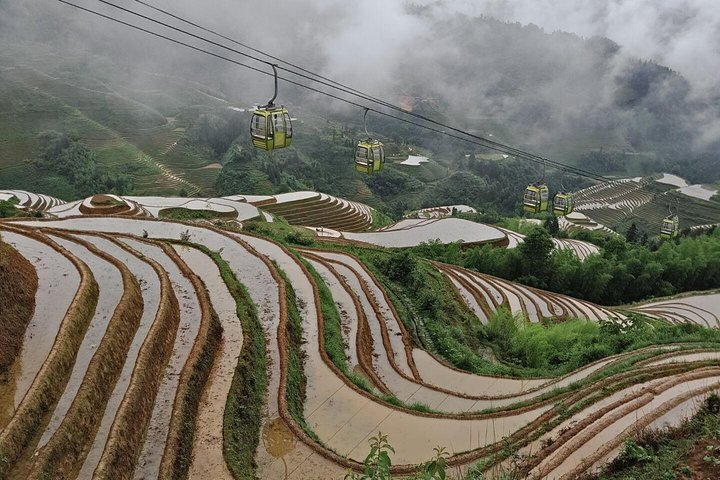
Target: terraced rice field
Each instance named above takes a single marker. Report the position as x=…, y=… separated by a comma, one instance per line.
x=484, y=294
x=440, y=212
x=642, y=200
x=136, y=347
x=411, y=232
x=31, y=201
x=314, y=209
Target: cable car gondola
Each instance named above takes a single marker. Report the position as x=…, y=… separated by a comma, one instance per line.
x=563, y=202
x=669, y=227
x=369, y=153
x=536, y=196
x=270, y=126
x=671, y=224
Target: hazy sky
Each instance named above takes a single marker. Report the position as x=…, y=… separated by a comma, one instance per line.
x=364, y=42
x=682, y=34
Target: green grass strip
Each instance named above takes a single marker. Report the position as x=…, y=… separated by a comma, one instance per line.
x=332, y=333
x=296, y=380
x=244, y=408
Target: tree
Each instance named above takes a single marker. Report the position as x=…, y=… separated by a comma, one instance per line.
x=65, y=157
x=632, y=234
x=7, y=208
x=239, y=176
x=535, y=252
x=552, y=225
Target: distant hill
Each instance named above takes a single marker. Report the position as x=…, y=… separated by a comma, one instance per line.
x=172, y=124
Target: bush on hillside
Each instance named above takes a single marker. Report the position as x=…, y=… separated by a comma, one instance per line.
x=621, y=273
x=73, y=162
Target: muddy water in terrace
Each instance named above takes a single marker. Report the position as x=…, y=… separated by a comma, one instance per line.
x=691, y=357
x=470, y=301
x=609, y=433
x=403, y=388
x=150, y=289
x=478, y=288
x=208, y=460
x=345, y=419
x=156, y=437
x=248, y=269
x=58, y=281
x=109, y=280
x=389, y=320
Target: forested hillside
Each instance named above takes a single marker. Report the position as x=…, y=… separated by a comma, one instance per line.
x=173, y=127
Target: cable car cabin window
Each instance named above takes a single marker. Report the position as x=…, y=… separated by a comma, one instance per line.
x=258, y=126
x=361, y=155
x=531, y=197
x=543, y=194
x=278, y=120
x=288, y=124
x=376, y=153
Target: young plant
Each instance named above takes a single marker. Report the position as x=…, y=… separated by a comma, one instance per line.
x=377, y=464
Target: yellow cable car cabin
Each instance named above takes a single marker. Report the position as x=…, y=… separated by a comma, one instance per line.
x=670, y=227
x=536, y=198
x=563, y=204
x=369, y=156
x=271, y=128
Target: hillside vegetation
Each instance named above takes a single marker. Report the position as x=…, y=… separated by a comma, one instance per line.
x=177, y=134
x=624, y=272
x=18, y=286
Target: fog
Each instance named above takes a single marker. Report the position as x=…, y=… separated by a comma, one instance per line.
x=682, y=34
x=387, y=47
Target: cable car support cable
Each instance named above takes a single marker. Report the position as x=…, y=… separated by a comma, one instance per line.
x=473, y=139
x=487, y=143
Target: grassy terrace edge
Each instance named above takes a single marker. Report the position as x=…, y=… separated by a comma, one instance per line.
x=53, y=376
x=296, y=380
x=243, y=414
x=332, y=333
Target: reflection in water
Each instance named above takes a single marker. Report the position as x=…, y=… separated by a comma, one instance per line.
x=278, y=440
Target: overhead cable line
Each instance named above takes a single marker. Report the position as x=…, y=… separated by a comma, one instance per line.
x=485, y=142
x=251, y=48
x=474, y=139
x=235, y=62
x=353, y=91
